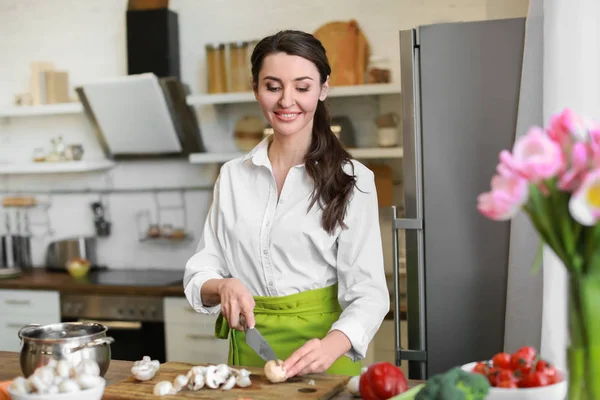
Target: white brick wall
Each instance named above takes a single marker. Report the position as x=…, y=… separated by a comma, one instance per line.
x=87, y=38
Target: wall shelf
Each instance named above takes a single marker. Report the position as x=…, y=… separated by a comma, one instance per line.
x=340, y=91
x=44, y=109
x=55, y=167
x=359, y=153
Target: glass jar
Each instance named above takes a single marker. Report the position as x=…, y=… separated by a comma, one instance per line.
x=238, y=67
x=216, y=70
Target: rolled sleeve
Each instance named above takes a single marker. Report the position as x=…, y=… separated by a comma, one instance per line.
x=208, y=262
x=362, y=289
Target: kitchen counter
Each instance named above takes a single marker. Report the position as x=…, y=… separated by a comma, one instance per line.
x=40, y=279
x=117, y=371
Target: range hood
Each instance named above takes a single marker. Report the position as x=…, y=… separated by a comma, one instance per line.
x=142, y=116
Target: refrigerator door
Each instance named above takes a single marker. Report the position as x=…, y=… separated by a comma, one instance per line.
x=412, y=222
x=459, y=103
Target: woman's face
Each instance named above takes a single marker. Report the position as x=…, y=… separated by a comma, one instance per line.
x=288, y=90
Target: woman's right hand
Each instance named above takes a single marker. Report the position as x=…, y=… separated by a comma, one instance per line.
x=236, y=301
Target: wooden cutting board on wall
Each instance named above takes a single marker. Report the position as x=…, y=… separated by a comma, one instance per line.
x=347, y=50
x=325, y=387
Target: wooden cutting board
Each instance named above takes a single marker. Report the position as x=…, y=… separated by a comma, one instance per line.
x=348, y=52
x=326, y=386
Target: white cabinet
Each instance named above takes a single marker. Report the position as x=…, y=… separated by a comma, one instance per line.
x=190, y=336
x=21, y=307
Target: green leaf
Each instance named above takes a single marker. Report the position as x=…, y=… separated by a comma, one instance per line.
x=539, y=255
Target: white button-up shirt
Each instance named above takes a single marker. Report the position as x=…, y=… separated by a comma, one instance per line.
x=277, y=248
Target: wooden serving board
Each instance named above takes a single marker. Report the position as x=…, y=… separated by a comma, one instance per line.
x=326, y=386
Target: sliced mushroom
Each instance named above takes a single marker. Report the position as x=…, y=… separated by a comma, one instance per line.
x=243, y=381
x=163, y=388
x=196, y=381
x=229, y=383
x=180, y=382
x=212, y=378
x=275, y=372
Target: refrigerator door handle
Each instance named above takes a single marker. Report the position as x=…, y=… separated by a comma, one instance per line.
x=408, y=223
x=404, y=224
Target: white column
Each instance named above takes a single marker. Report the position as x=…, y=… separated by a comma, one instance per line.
x=523, y=322
x=571, y=79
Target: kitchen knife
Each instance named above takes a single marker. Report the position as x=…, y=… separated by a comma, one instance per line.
x=258, y=343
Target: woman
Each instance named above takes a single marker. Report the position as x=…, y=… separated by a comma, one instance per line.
x=292, y=241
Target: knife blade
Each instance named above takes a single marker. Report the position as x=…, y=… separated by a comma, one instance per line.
x=257, y=342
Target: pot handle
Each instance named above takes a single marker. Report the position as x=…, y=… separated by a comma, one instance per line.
x=93, y=343
x=25, y=327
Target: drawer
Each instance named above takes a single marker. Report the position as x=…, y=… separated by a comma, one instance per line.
x=178, y=311
x=30, y=302
x=10, y=325
x=188, y=345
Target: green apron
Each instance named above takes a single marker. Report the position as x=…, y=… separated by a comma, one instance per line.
x=287, y=322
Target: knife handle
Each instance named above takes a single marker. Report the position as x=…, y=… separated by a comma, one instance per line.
x=244, y=324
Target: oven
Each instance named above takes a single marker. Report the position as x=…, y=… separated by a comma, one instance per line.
x=135, y=322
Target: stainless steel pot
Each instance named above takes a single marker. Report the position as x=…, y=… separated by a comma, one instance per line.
x=74, y=341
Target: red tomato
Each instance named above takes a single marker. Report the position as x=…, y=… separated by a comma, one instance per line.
x=521, y=364
x=534, y=379
x=507, y=384
x=493, y=375
x=501, y=360
x=480, y=368
x=556, y=378
x=381, y=381
x=505, y=375
x=527, y=353
x=545, y=367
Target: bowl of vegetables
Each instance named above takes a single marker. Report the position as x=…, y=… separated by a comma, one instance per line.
x=521, y=375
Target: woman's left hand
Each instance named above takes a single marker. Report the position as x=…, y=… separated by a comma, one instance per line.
x=317, y=355
x=312, y=357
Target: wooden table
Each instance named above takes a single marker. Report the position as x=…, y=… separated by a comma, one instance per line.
x=117, y=371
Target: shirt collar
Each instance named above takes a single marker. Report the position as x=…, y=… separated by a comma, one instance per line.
x=260, y=154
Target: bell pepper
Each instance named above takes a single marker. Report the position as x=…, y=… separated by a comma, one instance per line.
x=381, y=381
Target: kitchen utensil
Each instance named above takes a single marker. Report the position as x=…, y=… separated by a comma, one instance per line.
x=347, y=50
x=74, y=341
x=325, y=386
x=102, y=225
x=257, y=342
x=59, y=253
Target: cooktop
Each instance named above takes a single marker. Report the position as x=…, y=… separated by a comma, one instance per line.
x=136, y=277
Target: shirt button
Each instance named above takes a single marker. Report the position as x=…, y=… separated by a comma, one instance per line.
x=270, y=283
x=268, y=223
x=264, y=251
x=281, y=201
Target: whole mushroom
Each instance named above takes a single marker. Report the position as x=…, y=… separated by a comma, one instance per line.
x=275, y=372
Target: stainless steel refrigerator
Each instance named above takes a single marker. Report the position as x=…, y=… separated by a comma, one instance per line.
x=460, y=94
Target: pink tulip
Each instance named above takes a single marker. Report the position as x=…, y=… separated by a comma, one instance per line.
x=571, y=178
x=567, y=127
x=535, y=156
x=584, y=204
x=506, y=198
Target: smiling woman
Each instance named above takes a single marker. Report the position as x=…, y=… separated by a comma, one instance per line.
x=292, y=241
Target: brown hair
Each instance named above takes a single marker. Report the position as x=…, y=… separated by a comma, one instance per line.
x=326, y=156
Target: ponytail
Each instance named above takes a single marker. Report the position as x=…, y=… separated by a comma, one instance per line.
x=324, y=163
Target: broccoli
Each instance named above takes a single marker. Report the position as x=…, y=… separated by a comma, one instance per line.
x=455, y=384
